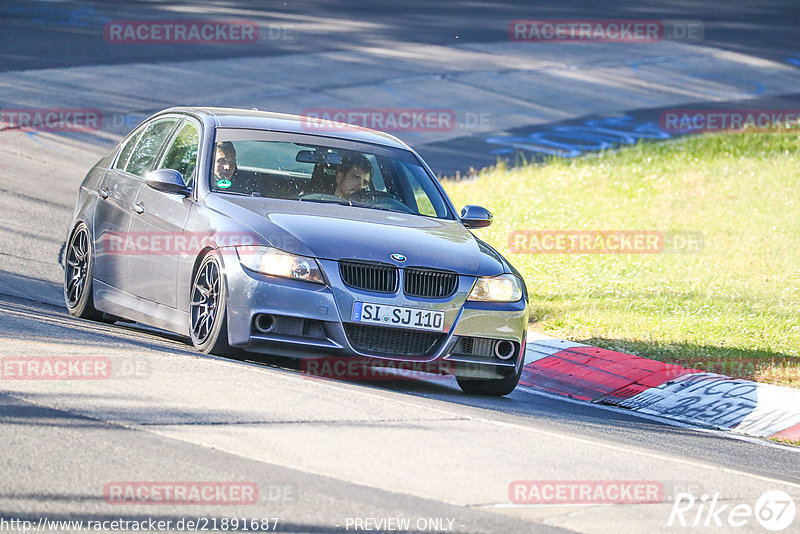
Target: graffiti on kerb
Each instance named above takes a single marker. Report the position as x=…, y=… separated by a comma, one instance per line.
x=572, y=141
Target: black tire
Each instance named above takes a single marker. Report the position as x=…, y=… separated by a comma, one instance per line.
x=78, y=265
x=208, y=315
x=496, y=387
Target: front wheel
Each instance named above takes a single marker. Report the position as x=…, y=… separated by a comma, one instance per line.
x=208, y=312
x=78, y=275
x=490, y=386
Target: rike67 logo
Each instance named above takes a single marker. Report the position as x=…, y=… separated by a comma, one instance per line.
x=774, y=510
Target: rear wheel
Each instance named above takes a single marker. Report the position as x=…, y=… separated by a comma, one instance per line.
x=490, y=386
x=208, y=311
x=78, y=275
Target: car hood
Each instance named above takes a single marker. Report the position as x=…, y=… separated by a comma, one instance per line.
x=335, y=232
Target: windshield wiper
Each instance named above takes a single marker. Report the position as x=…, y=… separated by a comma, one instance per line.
x=319, y=201
x=380, y=209
x=230, y=192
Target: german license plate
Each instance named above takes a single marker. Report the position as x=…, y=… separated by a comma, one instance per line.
x=364, y=312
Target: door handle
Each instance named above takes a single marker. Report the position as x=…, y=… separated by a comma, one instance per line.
x=103, y=193
x=138, y=208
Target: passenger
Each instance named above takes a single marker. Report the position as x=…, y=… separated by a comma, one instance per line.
x=354, y=175
x=224, y=162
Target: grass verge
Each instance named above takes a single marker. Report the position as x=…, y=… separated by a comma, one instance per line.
x=731, y=305
x=786, y=441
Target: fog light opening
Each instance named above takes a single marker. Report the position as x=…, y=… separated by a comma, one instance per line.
x=504, y=349
x=264, y=323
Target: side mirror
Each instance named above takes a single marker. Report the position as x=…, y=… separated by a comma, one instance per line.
x=476, y=217
x=168, y=181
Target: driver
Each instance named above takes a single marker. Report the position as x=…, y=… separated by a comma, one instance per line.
x=354, y=174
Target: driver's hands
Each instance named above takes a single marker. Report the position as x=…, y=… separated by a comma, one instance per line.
x=361, y=194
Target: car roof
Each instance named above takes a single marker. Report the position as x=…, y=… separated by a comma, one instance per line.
x=282, y=122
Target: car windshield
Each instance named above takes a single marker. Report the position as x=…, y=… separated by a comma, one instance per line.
x=313, y=169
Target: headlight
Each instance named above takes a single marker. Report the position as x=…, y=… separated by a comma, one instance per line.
x=503, y=288
x=274, y=262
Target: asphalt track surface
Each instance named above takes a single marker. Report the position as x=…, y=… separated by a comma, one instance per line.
x=41, y=35
x=322, y=453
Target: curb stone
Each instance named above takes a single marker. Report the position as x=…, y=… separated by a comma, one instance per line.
x=639, y=384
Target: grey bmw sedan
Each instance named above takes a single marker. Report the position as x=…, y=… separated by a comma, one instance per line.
x=280, y=234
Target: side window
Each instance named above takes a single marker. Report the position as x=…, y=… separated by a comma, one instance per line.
x=423, y=191
x=182, y=153
x=424, y=205
x=149, y=144
x=125, y=153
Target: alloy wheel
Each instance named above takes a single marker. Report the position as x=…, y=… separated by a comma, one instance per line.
x=205, y=301
x=77, y=267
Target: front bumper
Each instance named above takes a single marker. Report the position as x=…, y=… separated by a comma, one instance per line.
x=313, y=321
